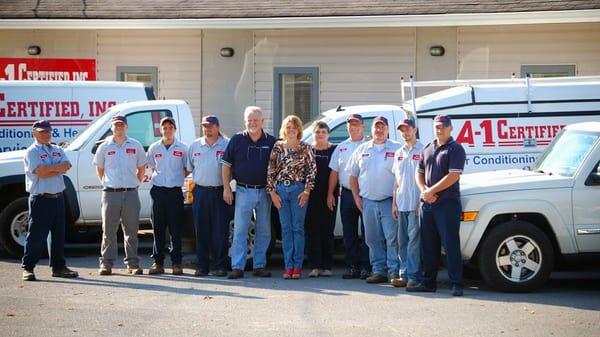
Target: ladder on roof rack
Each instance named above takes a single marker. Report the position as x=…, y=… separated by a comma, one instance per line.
x=526, y=82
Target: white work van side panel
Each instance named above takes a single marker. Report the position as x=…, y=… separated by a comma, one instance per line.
x=494, y=140
x=69, y=106
x=143, y=125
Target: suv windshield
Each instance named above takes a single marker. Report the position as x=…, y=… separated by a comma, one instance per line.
x=566, y=153
x=80, y=140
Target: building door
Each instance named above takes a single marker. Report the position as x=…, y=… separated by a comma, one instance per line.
x=295, y=92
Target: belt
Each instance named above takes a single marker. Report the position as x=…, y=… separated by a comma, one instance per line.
x=110, y=189
x=347, y=189
x=51, y=195
x=289, y=182
x=211, y=187
x=257, y=187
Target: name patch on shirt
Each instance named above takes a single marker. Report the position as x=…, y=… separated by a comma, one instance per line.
x=365, y=155
x=158, y=155
x=416, y=157
x=343, y=149
x=130, y=150
x=197, y=154
x=55, y=154
x=389, y=154
x=43, y=156
x=111, y=153
x=400, y=158
x=178, y=153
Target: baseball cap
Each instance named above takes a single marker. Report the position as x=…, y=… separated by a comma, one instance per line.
x=119, y=119
x=210, y=120
x=442, y=120
x=407, y=122
x=167, y=119
x=41, y=125
x=380, y=119
x=355, y=117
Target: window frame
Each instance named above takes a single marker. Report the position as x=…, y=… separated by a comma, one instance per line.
x=277, y=72
x=570, y=69
x=122, y=70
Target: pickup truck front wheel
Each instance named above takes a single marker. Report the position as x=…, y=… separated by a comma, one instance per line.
x=14, y=222
x=516, y=256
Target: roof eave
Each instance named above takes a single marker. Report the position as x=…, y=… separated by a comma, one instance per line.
x=436, y=20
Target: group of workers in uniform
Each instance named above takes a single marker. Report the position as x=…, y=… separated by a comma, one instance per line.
x=403, y=198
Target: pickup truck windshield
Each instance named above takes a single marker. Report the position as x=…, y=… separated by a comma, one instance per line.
x=83, y=137
x=566, y=153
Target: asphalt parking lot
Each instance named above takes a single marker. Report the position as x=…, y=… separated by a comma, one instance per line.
x=125, y=305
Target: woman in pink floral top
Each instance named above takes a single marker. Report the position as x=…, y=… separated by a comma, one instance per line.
x=290, y=178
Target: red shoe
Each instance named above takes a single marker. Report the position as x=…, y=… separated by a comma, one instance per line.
x=297, y=273
x=287, y=274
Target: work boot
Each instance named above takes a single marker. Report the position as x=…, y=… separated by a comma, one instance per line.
x=351, y=273
x=220, y=272
x=457, y=290
x=105, y=270
x=397, y=281
x=376, y=278
x=235, y=274
x=156, y=268
x=364, y=273
x=28, y=275
x=261, y=272
x=201, y=272
x=64, y=272
x=177, y=270
x=135, y=270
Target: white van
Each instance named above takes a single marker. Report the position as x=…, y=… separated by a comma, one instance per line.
x=69, y=106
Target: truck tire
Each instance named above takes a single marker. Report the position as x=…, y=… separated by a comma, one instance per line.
x=14, y=223
x=516, y=256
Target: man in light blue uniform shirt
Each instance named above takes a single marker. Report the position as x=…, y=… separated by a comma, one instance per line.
x=406, y=203
x=372, y=181
x=120, y=164
x=356, y=251
x=211, y=213
x=45, y=165
x=167, y=159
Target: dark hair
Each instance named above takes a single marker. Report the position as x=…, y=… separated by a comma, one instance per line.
x=320, y=125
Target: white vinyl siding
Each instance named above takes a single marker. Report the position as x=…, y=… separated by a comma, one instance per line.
x=176, y=53
x=499, y=51
x=356, y=66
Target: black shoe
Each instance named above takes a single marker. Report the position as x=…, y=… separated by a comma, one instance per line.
x=421, y=288
x=351, y=273
x=235, y=274
x=364, y=273
x=201, y=272
x=261, y=272
x=457, y=290
x=28, y=275
x=220, y=273
x=64, y=272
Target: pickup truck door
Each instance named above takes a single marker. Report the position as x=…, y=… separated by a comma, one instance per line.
x=586, y=210
x=143, y=125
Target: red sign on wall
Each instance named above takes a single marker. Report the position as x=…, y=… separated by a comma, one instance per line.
x=38, y=69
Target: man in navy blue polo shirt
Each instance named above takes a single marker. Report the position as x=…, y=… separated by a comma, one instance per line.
x=246, y=159
x=438, y=176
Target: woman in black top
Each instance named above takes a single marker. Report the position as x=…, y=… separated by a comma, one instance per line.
x=320, y=220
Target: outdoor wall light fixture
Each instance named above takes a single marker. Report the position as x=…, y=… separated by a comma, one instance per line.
x=34, y=50
x=227, y=52
x=437, y=51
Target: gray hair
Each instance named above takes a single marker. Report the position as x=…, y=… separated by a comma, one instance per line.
x=252, y=109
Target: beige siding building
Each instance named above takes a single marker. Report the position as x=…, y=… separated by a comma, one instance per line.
x=304, y=60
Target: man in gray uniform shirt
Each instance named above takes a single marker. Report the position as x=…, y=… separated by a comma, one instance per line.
x=120, y=164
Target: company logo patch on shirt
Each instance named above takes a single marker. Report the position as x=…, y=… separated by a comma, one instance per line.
x=43, y=156
x=416, y=156
x=178, y=153
x=400, y=158
x=55, y=154
x=158, y=155
x=220, y=153
x=389, y=154
x=365, y=155
x=111, y=153
x=130, y=150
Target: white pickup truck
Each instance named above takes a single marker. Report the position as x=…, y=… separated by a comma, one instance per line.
x=83, y=190
x=518, y=223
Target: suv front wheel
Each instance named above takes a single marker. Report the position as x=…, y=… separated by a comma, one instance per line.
x=516, y=256
x=14, y=224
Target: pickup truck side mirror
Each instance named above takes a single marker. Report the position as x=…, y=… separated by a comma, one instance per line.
x=98, y=142
x=594, y=177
